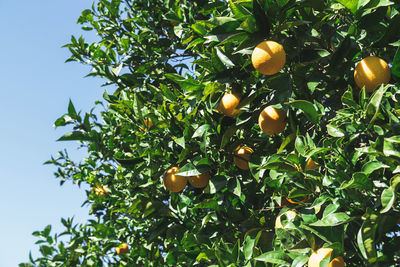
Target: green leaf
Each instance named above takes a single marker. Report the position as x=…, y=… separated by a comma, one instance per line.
x=366, y=236
x=64, y=120
x=224, y=59
x=341, y=52
x=393, y=139
x=180, y=141
x=248, y=244
x=75, y=136
x=300, y=145
x=276, y=257
x=309, y=109
x=263, y=24
x=227, y=135
x=216, y=61
x=396, y=64
x=238, y=11
x=208, y=204
x=374, y=104
x=389, y=149
x=71, y=110
x=395, y=181
x=372, y=166
x=287, y=141
x=249, y=25
x=358, y=180
x=373, y=4
x=348, y=98
x=335, y=131
x=300, y=261
x=191, y=169
x=201, y=130
x=186, y=83
x=388, y=198
x=217, y=183
x=236, y=38
x=199, y=28
x=256, y=160
x=237, y=190
x=350, y=4
x=333, y=219
x=167, y=93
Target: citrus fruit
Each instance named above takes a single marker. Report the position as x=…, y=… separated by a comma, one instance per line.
x=337, y=262
x=268, y=57
x=242, y=156
x=311, y=165
x=290, y=215
x=101, y=191
x=371, y=72
x=272, y=120
x=228, y=104
x=199, y=181
x=318, y=255
x=173, y=182
x=122, y=249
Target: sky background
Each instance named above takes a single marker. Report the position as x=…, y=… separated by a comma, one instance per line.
x=35, y=87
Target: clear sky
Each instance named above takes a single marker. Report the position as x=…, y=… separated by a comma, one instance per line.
x=35, y=86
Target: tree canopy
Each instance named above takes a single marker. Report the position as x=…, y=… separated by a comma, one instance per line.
x=329, y=178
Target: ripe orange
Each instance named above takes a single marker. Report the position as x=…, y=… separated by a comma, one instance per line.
x=311, y=165
x=272, y=121
x=290, y=215
x=228, y=104
x=337, y=262
x=242, y=156
x=371, y=72
x=318, y=255
x=101, y=191
x=122, y=249
x=199, y=181
x=268, y=57
x=173, y=182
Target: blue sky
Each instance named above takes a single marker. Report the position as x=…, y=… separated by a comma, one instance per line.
x=35, y=87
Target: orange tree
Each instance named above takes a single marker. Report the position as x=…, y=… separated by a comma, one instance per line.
x=170, y=63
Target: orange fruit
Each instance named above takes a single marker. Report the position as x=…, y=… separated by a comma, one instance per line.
x=122, y=249
x=311, y=165
x=371, y=72
x=228, y=104
x=272, y=121
x=173, y=182
x=199, y=181
x=101, y=191
x=337, y=262
x=268, y=57
x=318, y=255
x=290, y=215
x=242, y=156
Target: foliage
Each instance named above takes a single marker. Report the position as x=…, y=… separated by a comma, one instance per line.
x=172, y=61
